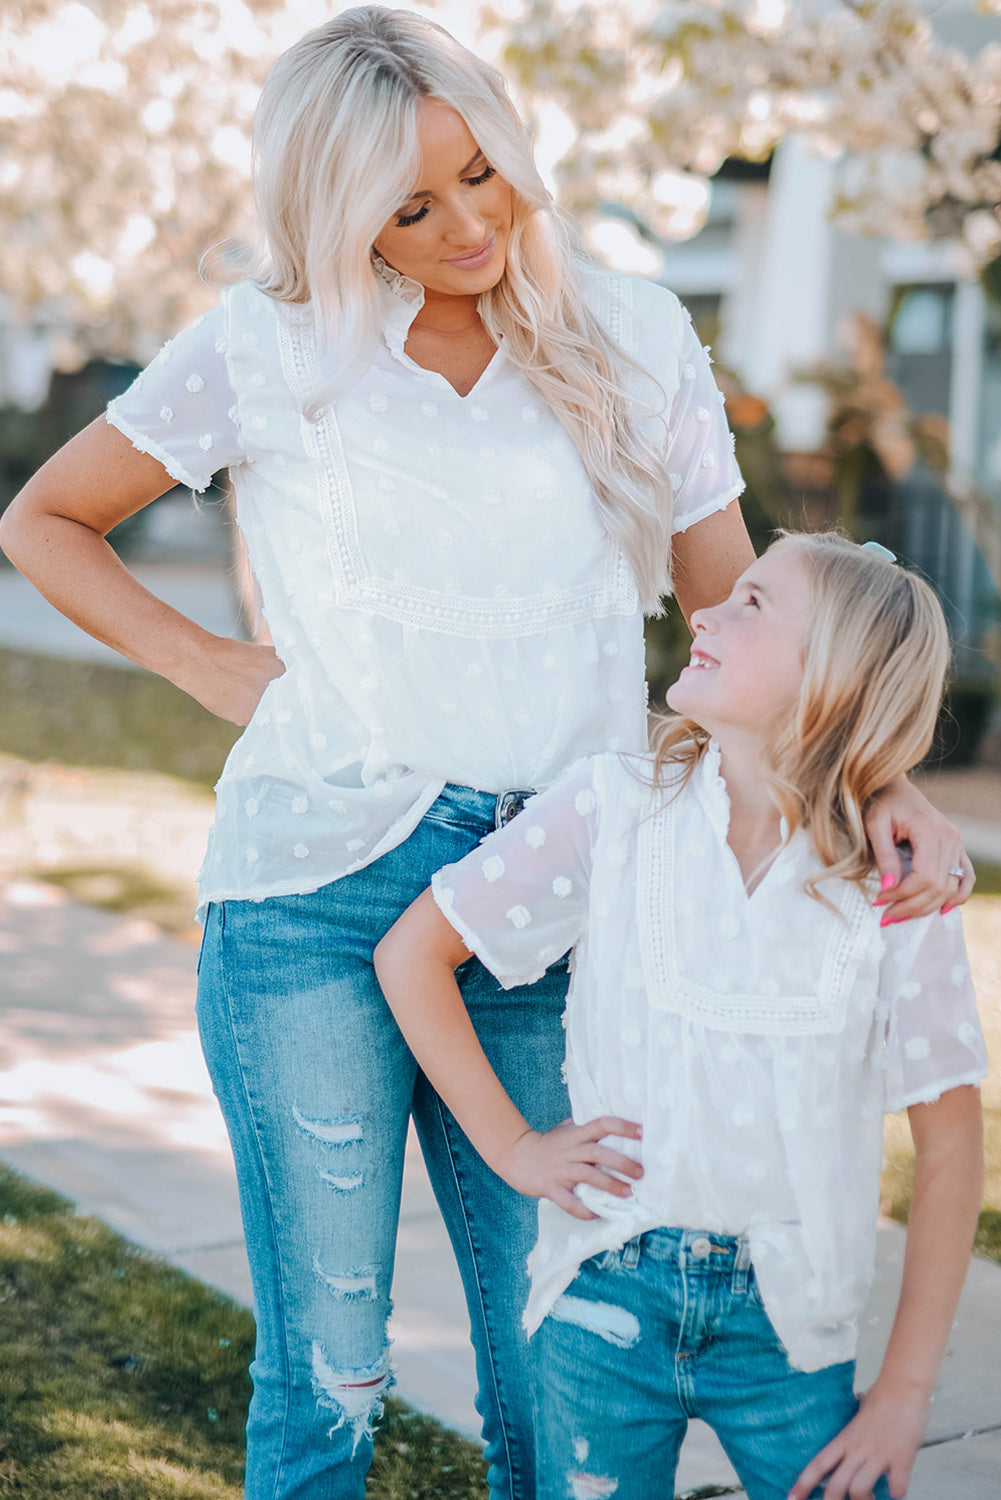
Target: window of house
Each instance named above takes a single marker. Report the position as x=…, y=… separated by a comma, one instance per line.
x=920, y=345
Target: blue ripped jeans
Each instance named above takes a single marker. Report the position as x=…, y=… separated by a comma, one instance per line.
x=668, y=1328
x=317, y=1086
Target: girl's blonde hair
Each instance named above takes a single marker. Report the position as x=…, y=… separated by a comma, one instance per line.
x=874, y=669
x=336, y=152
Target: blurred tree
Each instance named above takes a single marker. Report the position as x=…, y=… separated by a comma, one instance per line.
x=873, y=434
x=123, y=154
x=660, y=93
x=869, y=424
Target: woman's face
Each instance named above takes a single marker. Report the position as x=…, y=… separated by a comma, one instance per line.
x=451, y=234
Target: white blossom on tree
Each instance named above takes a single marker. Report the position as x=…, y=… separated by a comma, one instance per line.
x=124, y=153
x=661, y=91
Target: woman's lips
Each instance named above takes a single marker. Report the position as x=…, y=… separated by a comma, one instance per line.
x=475, y=258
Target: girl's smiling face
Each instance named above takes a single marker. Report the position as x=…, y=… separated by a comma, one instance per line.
x=451, y=235
x=746, y=665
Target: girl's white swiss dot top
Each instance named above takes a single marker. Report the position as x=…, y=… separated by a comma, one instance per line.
x=757, y=1039
x=432, y=569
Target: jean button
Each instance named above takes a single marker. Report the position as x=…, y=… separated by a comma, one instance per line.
x=701, y=1248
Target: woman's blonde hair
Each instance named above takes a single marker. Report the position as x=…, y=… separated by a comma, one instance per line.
x=874, y=668
x=336, y=152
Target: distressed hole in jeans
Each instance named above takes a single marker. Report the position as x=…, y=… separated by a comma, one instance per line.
x=355, y=1396
x=341, y=1130
x=615, y=1325
x=591, y=1486
x=344, y=1182
x=348, y=1286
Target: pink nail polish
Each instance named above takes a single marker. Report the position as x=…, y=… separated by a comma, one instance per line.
x=887, y=881
x=887, y=920
x=947, y=909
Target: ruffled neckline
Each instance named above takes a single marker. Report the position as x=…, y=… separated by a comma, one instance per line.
x=402, y=299
x=711, y=789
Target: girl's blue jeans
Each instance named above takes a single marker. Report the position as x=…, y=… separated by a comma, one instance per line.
x=317, y=1086
x=668, y=1328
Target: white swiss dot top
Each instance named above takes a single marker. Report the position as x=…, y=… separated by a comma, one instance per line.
x=432, y=567
x=757, y=1039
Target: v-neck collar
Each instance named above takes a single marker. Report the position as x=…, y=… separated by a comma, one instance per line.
x=714, y=799
x=401, y=299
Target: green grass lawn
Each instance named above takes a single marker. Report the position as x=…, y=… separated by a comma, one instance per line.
x=123, y=1379
x=88, y=714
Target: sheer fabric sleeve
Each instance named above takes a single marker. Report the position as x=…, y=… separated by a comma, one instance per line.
x=182, y=409
x=699, y=452
x=934, y=1040
x=519, y=901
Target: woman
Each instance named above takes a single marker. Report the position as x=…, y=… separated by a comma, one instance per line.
x=454, y=456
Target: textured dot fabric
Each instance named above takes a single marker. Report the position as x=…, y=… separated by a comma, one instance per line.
x=433, y=569
x=757, y=1039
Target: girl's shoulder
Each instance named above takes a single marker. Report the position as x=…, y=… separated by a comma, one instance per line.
x=611, y=775
x=623, y=784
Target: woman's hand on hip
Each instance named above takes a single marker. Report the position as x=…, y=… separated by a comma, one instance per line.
x=55, y=532
x=550, y=1165
x=229, y=677
x=901, y=814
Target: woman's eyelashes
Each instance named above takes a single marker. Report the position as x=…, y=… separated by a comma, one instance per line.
x=402, y=220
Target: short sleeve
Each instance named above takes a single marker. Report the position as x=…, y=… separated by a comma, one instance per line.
x=934, y=1040
x=181, y=409
x=519, y=901
x=699, y=454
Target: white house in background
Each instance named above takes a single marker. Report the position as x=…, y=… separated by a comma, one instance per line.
x=776, y=280
x=781, y=279
x=28, y=355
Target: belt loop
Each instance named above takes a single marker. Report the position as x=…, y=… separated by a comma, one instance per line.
x=742, y=1264
x=631, y=1254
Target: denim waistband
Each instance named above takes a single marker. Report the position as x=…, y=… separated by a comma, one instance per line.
x=466, y=807
x=698, y=1250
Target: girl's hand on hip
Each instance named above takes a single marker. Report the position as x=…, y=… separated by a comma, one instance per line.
x=551, y=1165
x=229, y=677
x=882, y=1438
x=901, y=814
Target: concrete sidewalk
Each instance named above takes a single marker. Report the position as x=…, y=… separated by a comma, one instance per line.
x=103, y=1095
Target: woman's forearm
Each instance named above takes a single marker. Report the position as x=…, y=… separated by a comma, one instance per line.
x=79, y=572
x=55, y=531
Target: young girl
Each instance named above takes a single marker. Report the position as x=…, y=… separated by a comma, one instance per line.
x=736, y=993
